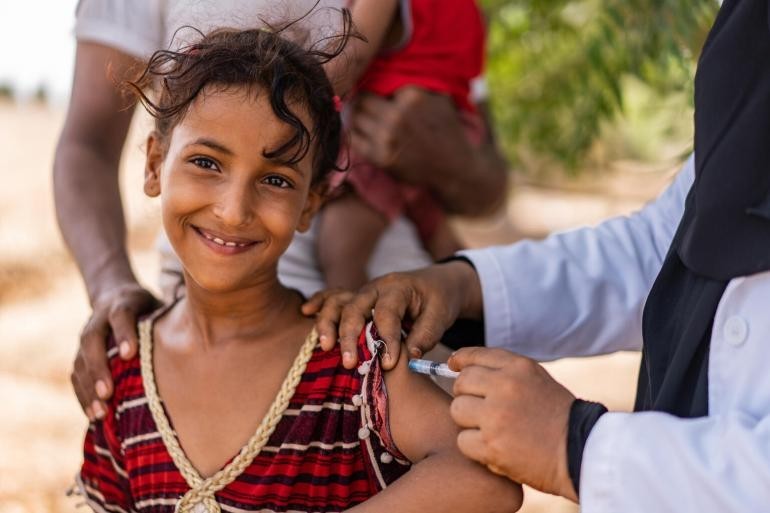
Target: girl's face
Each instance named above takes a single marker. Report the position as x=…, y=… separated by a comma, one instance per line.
x=229, y=212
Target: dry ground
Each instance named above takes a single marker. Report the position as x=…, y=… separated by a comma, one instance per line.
x=43, y=304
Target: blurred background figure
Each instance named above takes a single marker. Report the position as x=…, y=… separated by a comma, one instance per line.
x=591, y=104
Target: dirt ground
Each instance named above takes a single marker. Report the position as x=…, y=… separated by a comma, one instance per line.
x=43, y=304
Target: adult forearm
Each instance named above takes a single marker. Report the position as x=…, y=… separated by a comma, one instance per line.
x=90, y=215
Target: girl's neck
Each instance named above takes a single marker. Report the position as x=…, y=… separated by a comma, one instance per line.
x=256, y=312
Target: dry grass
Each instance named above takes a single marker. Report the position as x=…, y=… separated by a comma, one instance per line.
x=43, y=305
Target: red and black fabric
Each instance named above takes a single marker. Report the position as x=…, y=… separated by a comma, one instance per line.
x=316, y=459
x=443, y=51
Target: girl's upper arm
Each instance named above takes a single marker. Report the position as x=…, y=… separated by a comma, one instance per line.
x=418, y=414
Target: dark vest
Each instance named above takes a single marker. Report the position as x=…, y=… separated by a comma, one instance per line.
x=725, y=229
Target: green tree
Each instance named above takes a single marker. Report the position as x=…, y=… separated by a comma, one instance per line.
x=556, y=68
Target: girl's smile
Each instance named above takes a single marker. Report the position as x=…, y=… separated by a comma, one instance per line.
x=222, y=243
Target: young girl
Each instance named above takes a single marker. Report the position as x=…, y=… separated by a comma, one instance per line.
x=437, y=45
x=246, y=131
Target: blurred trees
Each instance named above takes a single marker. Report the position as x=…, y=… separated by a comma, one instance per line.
x=6, y=91
x=558, y=69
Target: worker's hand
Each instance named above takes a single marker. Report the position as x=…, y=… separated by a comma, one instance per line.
x=116, y=311
x=433, y=298
x=514, y=417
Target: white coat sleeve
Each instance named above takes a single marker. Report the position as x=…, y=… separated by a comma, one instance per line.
x=642, y=462
x=579, y=292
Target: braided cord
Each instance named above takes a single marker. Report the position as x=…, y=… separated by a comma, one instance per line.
x=202, y=490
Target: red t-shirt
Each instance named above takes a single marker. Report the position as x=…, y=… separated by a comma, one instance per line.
x=443, y=51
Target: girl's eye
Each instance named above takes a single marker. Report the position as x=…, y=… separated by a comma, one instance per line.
x=205, y=163
x=277, y=181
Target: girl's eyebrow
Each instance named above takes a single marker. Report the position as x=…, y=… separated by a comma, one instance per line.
x=212, y=144
x=289, y=165
x=204, y=141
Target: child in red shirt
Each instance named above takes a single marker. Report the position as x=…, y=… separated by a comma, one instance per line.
x=434, y=44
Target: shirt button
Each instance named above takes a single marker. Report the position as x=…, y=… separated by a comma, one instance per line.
x=735, y=330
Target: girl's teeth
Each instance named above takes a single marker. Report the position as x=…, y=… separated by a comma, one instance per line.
x=222, y=242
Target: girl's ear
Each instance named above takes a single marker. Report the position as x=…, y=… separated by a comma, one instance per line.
x=155, y=155
x=312, y=204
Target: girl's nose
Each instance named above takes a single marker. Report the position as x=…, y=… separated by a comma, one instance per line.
x=235, y=207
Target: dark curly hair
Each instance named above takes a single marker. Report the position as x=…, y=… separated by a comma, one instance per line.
x=266, y=59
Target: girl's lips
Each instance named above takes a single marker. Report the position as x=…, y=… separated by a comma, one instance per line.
x=224, y=244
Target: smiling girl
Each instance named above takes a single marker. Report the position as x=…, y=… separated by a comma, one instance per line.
x=231, y=404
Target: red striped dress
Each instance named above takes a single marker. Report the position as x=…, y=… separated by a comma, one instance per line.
x=330, y=451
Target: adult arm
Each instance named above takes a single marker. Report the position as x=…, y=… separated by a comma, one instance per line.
x=418, y=137
x=90, y=214
x=425, y=433
x=371, y=20
x=579, y=292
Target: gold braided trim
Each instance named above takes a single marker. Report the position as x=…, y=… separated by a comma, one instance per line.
x=201, y=497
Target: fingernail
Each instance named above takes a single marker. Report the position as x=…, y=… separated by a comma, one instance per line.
x=98, y=410
x=323, y=339
x=415, y=351
x=347, y=357
x=124, y=349
x=90, y=414
x=101, y=389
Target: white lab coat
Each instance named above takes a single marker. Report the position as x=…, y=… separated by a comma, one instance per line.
x=582, y=292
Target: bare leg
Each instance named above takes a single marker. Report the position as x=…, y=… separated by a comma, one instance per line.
x=443, y=243
x=348, y=233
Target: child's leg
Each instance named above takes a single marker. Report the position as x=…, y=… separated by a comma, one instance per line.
x=428, y=216
x=444, y=242
x=348, y=232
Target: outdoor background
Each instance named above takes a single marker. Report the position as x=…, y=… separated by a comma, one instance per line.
x=592, y=101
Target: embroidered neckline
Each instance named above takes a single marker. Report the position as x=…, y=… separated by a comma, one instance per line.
x=200, y=497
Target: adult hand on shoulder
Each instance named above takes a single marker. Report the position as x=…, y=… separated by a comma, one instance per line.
x=514, y=417
x=419, y=138
x=433, y=298
x=116, y=311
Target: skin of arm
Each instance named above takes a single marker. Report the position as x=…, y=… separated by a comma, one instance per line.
x=417, y=136
x=371, y=20
x=90, y=215
x=441, y=479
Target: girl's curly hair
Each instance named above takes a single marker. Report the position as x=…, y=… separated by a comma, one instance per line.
x=290, y=74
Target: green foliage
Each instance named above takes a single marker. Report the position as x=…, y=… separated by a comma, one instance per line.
x=557, y=68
